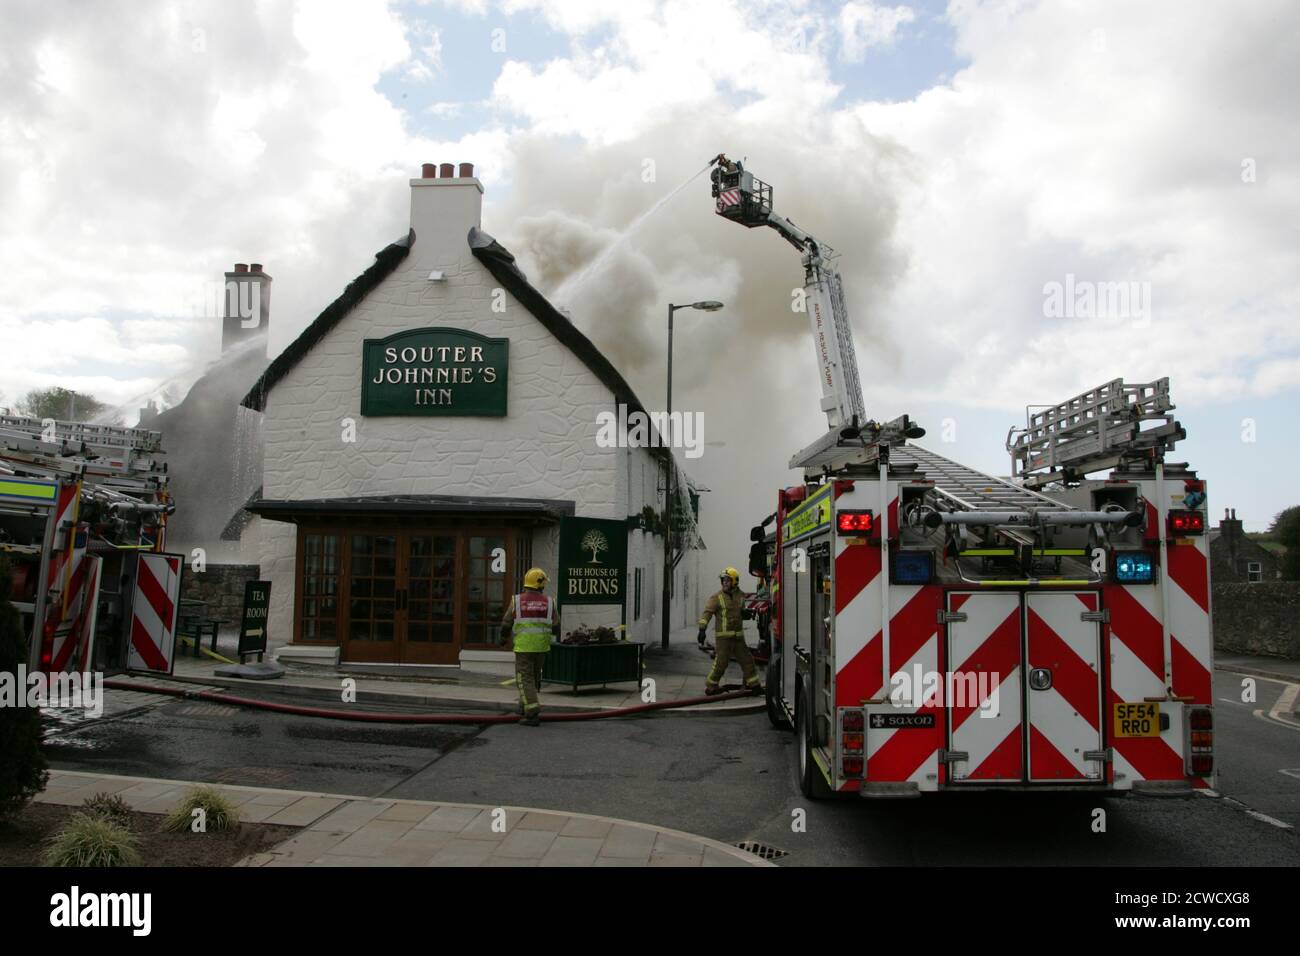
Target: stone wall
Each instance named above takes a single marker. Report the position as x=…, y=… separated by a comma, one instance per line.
x=222, y=587
x=1259, y=618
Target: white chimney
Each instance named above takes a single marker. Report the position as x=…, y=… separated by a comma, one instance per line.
x=445, y=203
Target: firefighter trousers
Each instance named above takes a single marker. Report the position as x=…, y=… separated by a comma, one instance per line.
x=528, y=680
x=728, y=648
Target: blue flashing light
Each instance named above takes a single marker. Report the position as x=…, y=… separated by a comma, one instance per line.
x=912, y=567
x=1134, y=567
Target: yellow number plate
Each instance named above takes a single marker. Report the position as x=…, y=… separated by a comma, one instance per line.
x=1137, y=720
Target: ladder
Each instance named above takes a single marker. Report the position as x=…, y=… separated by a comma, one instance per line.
x=1094, y=430
x=121, y=461
x=970, y=490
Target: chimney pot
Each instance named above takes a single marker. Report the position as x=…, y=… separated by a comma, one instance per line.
x=428, y=171
x=447, y=171
x=241, y=267
x=466, y=170
x=255, y=267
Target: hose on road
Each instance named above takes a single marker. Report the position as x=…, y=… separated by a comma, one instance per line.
x=219, y=697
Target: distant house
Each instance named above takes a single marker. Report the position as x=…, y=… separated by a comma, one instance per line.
x=1237, y=558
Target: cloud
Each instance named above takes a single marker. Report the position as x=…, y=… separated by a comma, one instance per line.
x=864, y=25
x=144, y=148
x=1106, y=141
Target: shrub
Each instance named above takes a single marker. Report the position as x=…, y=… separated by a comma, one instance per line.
x=88, y=839
x=109, y=806
x=22, y=766
x=219, y=813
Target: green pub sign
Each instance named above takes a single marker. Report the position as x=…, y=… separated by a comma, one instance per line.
x=434, y=372
x=593, y=561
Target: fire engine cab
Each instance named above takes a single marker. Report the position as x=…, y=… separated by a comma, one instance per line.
x=936, y=628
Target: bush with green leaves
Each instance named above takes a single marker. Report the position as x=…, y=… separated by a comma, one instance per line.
x=219, y=814
x=1286, y=530
x=22, y=766
x=110, y=806
x=88, y=839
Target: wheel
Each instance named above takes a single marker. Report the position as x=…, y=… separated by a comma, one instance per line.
x=811, y=781
x=774, y=711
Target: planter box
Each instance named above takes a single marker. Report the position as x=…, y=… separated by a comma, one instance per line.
x=582, y=664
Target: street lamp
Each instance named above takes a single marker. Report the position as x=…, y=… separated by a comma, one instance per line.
x=708, y=305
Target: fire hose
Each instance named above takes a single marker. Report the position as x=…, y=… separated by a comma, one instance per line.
x=220, y=697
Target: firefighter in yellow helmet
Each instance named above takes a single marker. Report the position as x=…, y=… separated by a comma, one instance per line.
x=729, y=637
x=531, y=618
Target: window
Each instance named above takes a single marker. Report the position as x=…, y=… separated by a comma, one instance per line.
x=1254, y=572
x=636, y=602
x=320, y=587
x=486, y=589
x=406, y=595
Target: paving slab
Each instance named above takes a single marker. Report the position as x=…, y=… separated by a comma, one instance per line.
x=342, y=830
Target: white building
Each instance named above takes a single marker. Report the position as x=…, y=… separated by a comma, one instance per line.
x=397, y=515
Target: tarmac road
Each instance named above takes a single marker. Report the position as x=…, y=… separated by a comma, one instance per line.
x=730, y=778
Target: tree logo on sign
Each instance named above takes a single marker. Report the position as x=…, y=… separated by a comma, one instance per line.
x=595, y=542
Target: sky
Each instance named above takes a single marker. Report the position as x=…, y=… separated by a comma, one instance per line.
x=967, y=162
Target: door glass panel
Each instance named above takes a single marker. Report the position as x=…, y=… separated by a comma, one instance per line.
x=485, y=589
x=320, y=577
x=431, y=573
x=373, y=606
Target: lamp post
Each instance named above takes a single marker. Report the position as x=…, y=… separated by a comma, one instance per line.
x=706, y=306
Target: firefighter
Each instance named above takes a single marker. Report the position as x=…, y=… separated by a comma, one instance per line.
x=729, y=636
x=531, y=618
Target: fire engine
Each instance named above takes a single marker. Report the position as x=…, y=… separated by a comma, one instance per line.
x=937, y=628
x=83, y=516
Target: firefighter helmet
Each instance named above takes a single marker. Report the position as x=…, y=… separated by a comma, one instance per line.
x=535, y=579
x=730, y=573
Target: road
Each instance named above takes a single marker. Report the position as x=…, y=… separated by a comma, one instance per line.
x=730, y=778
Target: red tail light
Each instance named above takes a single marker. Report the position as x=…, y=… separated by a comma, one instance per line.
x=854, y=522
x=852, y=766
x=853, y=720
x=1186, y=522
x=851, y=743
x=1200, y=741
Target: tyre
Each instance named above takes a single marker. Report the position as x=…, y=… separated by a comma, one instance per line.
x=775, y=713
x=811, y=782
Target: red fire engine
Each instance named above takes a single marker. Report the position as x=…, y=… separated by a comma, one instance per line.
x=83, y=513
x=941, y=629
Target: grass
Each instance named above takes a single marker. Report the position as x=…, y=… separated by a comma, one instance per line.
x=109, y=806
x=219, y=814
x=88, y=839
